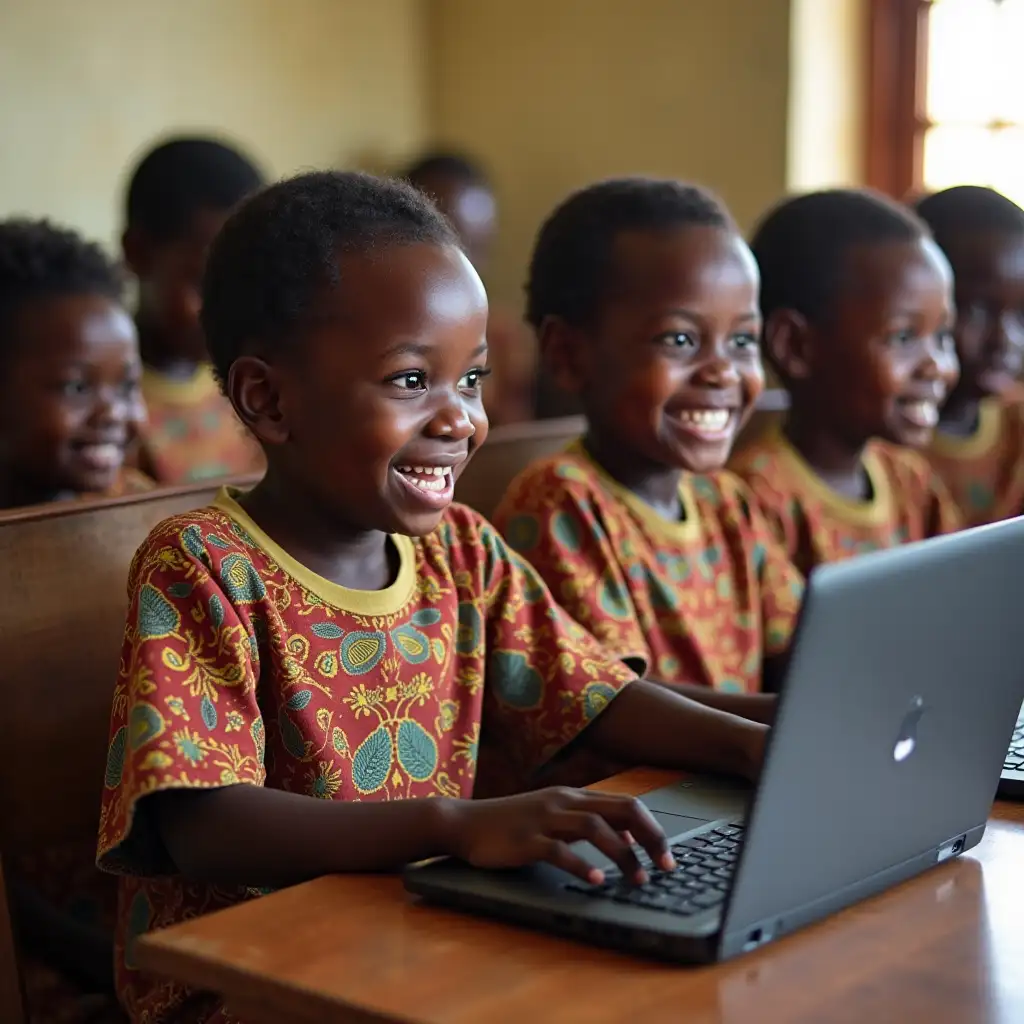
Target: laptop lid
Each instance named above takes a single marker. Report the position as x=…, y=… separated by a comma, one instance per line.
x=902, y=689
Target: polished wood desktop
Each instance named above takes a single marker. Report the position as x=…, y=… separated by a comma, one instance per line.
x=947, y=946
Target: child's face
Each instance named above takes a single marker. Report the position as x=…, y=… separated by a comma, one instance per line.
x=378, y=408
x=170, y=277
x=886, y=362
x=671, y=369
x=989, y=271
x=71, y=402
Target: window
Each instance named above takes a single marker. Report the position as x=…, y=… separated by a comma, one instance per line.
x=946, y=103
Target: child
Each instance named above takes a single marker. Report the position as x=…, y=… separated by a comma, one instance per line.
x=303, y=663
x=644, y=297
x=463, y=194
x=69, y=388
x=178, y=197
x=857, y=306
x=978, y=449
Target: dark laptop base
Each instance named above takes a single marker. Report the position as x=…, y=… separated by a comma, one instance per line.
x=1011, y=784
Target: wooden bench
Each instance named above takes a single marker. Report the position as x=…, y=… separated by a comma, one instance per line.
x=63, y=600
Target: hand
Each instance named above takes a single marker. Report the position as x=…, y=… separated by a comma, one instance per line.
x=519, y=830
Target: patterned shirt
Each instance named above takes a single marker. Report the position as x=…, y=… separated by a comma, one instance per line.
x=193, y=433
x=701, y=600
x=985, y=471
x=241, y=666
x=908, y=502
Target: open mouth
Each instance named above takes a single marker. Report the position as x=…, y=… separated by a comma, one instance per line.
x=103, y=457
x=708, y=424
x=432, y=485
x=920, y=412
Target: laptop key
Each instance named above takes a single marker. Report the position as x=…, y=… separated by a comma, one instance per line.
x=708, y=899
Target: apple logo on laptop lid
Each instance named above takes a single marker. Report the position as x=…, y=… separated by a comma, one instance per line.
x=906, y=741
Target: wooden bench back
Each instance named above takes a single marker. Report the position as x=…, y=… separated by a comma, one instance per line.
x=63, y=599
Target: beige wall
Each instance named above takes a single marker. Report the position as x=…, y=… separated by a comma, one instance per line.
x=553, y=94
x=85, y=84
x=828, y=88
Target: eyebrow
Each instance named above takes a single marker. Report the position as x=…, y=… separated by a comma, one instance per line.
x=750, y=314
x=417, y=348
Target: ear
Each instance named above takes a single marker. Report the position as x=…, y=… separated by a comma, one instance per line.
x=137, y=250
x=788, y=343
x=254, y=388
x=563, y=353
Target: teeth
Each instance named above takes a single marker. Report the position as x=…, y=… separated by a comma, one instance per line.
x=423, y=470
x=924, y=414
x=707, y=419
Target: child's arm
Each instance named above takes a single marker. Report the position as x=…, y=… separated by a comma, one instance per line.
x=250, y=836
x=757, y=707
x=649, y=724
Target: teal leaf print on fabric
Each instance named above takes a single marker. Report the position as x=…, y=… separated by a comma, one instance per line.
x=516, y=682
x=259, y=737
x=241, y=580
x=371, y=763
x=596, y=697
x=138, y=924
x=300, y=699
x=523, y=532
x=291, y=735
x=327, y=630
x=180, y=589
x=611, y=598
x=217, y=542
x=425, y=617
x=566, y=531
x=360, y=651
x=470, y=632
x=115, y=759
x=417, y=751
x=145, y=723
x=192, y=541
x=216, y=611
x=208, y=712
x=410, y=643
x=757, y=556
x=731, y=686
x=158, y=618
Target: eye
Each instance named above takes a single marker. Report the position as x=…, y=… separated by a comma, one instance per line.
x=74, y=388
x=474, y=379
x=744, y=340
x=900, y=339
x=677, y=339
x=129, y=387
x=946, y=340
x=411, y=380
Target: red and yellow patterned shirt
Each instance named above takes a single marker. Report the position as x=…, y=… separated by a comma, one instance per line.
x=242, y=667
x=192, y=433
x=985, y=471
x=908, y=502
x=700, y=600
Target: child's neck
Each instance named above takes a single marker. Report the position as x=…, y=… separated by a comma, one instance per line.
x=159, y=353
x=655, y=484
x=310, y=533
x=960, y=415
x=835, y=460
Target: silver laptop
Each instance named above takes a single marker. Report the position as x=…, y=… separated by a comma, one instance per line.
x=900, y=699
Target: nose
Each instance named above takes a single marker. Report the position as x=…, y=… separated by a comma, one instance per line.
x=112, y=407
x=451, y=418
x=939, y=363
x=717, y=370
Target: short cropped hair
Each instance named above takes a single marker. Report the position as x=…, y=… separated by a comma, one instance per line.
x=278, y=254
x=442, y=164
x=39, y=261
x=180, y=178
x=802, y=245
x=967, y=209
x=573, y=258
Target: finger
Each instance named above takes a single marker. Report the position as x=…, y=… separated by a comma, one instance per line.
x=554, y=851
x=573, y=825
x=627, y=814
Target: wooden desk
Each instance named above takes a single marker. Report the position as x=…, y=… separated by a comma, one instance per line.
x=948, y=946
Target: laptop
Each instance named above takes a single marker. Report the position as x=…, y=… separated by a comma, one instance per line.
x=1011, y=784
x=901, y=693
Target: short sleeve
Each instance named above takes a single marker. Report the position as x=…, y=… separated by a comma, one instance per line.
x=185, y=714
x=559, y=533
x=546, y=677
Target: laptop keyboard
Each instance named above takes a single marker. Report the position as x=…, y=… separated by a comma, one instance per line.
x=704, y=868
x=1015, y=755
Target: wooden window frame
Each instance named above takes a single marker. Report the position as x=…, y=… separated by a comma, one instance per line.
x=896, y=118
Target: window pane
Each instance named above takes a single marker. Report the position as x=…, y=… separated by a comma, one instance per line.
x=962, y=155
x=1008, y=61
x=962, y=61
